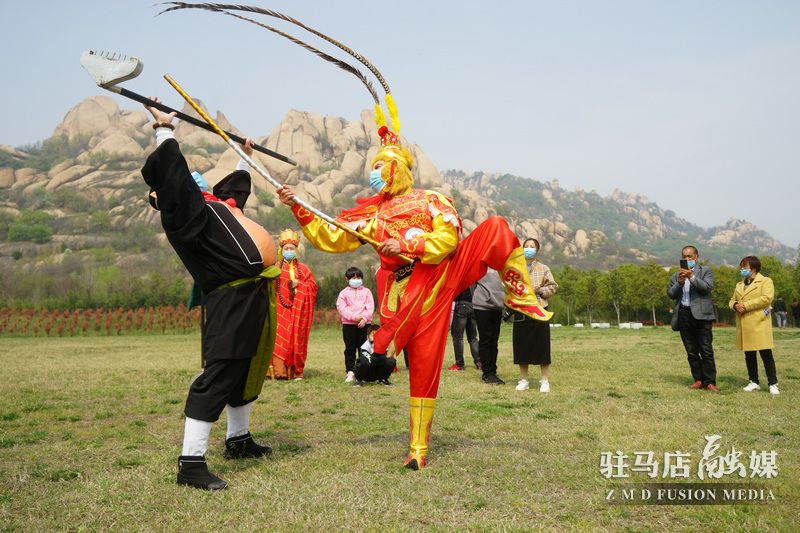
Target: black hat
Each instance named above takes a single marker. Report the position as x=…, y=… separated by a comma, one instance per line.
x=235, y=185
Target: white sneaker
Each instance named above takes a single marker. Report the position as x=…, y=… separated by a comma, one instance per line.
x=751, y=387
x=351, y=377
x=523, y=384
x=773, y=389
x=545, y=386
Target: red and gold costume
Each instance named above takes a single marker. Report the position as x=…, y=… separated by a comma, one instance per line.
x=414, y=299
x=295, y=310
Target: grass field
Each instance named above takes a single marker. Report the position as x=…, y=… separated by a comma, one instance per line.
x=90, y=431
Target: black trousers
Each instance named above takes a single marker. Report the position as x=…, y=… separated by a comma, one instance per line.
x=769, y=366
x=488, y=322
x=379, y=368
x=353, y=337
x=221, y=383
x=463, y=321
x=697, y=339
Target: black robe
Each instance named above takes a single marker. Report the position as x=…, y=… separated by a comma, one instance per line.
x=216, y=250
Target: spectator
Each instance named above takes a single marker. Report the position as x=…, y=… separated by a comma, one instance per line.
x=751, y=300
x=532, y=337
x=356, y=306
x=691, y=288
x=779, y=308
x=795, y=305
x=463, y=320
x=371, y=366
x=487, y=304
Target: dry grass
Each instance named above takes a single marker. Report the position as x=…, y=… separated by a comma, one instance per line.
x=90, y=431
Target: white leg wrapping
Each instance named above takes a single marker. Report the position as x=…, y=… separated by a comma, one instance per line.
x=195, y=437
x=238, y=420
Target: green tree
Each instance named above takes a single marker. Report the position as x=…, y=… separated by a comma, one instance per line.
x=588, y=292
x=649, y=289
x=33, y=226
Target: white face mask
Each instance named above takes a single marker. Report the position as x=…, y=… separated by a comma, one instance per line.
x=355, y=282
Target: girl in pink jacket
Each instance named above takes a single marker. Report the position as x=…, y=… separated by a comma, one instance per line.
x=355, y=305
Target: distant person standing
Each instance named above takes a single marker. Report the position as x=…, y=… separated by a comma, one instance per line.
x=694, y=315
x=795, y=306
x=532, y=337
x=487, y=304
x=751, y=299
x=463, y=321
x=779, y=308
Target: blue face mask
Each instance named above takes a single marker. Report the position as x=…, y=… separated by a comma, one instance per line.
x=375, y=181
x=355, y=282
x=530, y=253
x=200, y=181
x=691, y=263
x=288, y=255
x=745, y=272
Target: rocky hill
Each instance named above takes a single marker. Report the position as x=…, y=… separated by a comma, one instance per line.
x=84, y=185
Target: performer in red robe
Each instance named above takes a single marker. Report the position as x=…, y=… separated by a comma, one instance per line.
x=296, y=291
x=415, y=297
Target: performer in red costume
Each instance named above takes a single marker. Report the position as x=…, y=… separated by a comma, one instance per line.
x=297, y=291
x=414, y=298
x=423, y=264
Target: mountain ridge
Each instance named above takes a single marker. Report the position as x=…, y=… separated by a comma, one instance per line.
x=96, y=152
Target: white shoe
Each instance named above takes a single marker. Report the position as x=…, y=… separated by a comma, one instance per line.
x=351, y=377
x=751, y=387
x=523, y=384
x=773, y=389
x=545, y=386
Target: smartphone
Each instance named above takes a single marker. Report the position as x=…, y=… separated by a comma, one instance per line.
x=685, y=264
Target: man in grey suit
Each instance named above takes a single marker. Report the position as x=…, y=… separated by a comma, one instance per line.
x=694, y=314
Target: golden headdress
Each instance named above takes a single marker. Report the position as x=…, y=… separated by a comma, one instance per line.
x=288, y=236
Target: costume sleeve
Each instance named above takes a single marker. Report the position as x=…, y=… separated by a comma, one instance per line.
x=182, y=206
x=327, y=237
x=433, y=247
x=310, y=284
x=549, y=285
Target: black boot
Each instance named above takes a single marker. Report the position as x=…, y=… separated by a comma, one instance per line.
x=244, y=446
x=193, y=471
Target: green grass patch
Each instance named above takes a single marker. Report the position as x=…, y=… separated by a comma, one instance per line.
x=500, y=459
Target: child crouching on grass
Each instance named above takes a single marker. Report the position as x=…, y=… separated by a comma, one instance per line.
x=373, y=367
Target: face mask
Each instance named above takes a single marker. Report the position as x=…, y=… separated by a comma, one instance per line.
x=745, y=272
x=200, y=181
x=288, y=255
x=691, y=263
x=355, y=282
x=530, y=253
x=375, y=181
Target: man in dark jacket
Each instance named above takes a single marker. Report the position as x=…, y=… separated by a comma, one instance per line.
x=694, y=314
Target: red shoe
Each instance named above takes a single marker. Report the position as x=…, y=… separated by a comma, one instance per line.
x=711, y=387
x=455, y=367
x=696, y=385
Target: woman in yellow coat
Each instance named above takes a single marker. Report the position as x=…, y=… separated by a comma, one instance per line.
x=751, y=300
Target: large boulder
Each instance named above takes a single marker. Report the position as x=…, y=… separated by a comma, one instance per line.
x=90, y=117
x=6, y=177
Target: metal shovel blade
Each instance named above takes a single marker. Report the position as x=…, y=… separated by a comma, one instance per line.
x=108, y=69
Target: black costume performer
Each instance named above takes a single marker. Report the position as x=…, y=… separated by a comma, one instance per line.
x=213, y=242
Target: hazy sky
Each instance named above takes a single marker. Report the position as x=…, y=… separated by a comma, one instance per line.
x=692, y=103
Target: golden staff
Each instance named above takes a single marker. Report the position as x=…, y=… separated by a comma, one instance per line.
x=275, y=183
